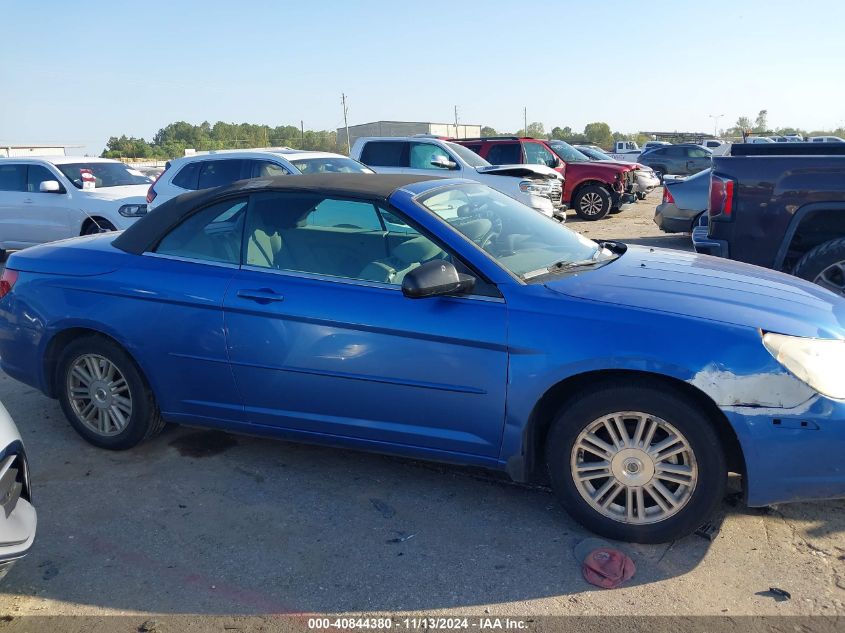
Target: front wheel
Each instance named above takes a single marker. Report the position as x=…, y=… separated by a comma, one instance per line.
x=636, y=463
x=104, y=396
x=98, y=225
x=824, y=265
x=592, y=202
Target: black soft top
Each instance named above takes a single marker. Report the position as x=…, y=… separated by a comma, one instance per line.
x=152, y=227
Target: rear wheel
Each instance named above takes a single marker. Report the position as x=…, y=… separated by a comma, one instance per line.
x=592, y=202
x=104, y=396
x=824, y=265
x=97, y=225
x=636, y=463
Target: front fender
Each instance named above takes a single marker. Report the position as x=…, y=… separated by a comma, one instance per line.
x=555, y=340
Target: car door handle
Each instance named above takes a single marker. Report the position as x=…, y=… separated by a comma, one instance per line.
x=261, y=295
x=27, y=200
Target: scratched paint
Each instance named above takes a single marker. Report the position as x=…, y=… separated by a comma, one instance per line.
x=779, y=390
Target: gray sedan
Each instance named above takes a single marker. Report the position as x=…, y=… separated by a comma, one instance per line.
x=684, y=200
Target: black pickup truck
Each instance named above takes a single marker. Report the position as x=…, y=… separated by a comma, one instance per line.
x=782, y=206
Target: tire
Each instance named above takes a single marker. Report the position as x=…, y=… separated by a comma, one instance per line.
x=824, y=265
x=659, y=172
x=98, y=225
x=592, y=202
x=124, y=428
x=615, y=210
x=703, y=457
x=641, y=195
x=2, y=255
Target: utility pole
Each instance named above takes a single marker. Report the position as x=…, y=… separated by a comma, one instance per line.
x=456, y=122
x=345, y=122
x=302, y=132
x=525, y=120
x=715, y=118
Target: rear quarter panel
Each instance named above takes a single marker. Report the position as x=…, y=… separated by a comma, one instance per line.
x=771, y=194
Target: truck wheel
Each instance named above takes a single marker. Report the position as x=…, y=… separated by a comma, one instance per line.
x=824, y=265
x=104, y=395
x=592, y=202
x=97, y=225
x=637, y=462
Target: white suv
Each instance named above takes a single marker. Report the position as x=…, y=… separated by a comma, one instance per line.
x=536, y=186
x=53, y=198
x=223, y=167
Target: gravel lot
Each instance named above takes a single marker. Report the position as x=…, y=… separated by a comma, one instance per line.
x=200, y=522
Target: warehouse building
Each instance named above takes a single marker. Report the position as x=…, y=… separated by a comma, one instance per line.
x=22, y=151
x=407, y=128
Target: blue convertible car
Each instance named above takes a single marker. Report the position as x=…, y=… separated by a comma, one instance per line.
x=440, y=319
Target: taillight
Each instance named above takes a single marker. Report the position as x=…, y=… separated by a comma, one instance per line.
x=151, y=192
x=7, y=280
x=721, y=197
x=667, y=195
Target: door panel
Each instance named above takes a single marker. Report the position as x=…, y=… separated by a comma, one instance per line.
x=360, y=360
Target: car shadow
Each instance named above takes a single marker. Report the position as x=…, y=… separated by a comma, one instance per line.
x=209, y=523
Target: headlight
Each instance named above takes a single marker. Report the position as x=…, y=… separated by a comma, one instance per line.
x=132, y=210
x=535, y=187
x=818, y=362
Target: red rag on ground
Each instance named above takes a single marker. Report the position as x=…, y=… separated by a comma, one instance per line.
x=607, y=567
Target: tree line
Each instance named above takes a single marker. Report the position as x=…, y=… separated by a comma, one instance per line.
x=172, y=140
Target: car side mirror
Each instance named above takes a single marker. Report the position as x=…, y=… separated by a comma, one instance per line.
x=443, y=162
x=554, y=163
x=50, y=186
x=434, y=278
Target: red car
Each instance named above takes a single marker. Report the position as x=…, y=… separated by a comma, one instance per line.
x=592, y=189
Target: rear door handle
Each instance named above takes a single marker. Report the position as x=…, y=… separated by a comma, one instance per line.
x=261, y=295
x=27, y=201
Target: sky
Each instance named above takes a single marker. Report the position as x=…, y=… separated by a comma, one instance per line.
x=77, y=73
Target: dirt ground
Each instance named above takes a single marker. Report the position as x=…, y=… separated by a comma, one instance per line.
x=199, y=522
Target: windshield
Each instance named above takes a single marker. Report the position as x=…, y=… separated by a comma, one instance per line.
x=105, y=174
x=330, y=165
x=467, y=155
x=521, y=240
x=568, y=153
x=595, y=154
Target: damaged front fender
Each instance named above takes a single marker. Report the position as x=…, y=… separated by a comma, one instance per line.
x=762, y=389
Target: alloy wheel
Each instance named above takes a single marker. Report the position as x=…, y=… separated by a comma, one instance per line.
x=591, y=203
x=633, y=467
x=833, y=278
x=99, y=394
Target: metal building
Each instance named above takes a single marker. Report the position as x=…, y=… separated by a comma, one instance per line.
x=22, y=151
x=406, y=128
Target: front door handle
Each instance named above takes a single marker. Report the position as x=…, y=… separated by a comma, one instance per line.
x=261, y=295
x=27, y=201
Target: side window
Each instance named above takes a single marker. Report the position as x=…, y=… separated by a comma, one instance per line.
x=695, y=152
x=385, y=154
x=331, y=237
x=421, y=155
x=213, y=234
x=12, y=177
x=344, y=214
x=674, y=152
x=216, y=173
x=267, y=169
x=536, y=154
x=188, y=176
x=36, y=174
x=475, y=147
x=505, y=154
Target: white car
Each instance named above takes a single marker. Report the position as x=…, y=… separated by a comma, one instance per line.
x=52, y=198
x=536, y=186
x=825, y=139
x=216, y=168
x=18, y=519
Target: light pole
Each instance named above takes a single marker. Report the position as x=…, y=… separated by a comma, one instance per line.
x=715, y=118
